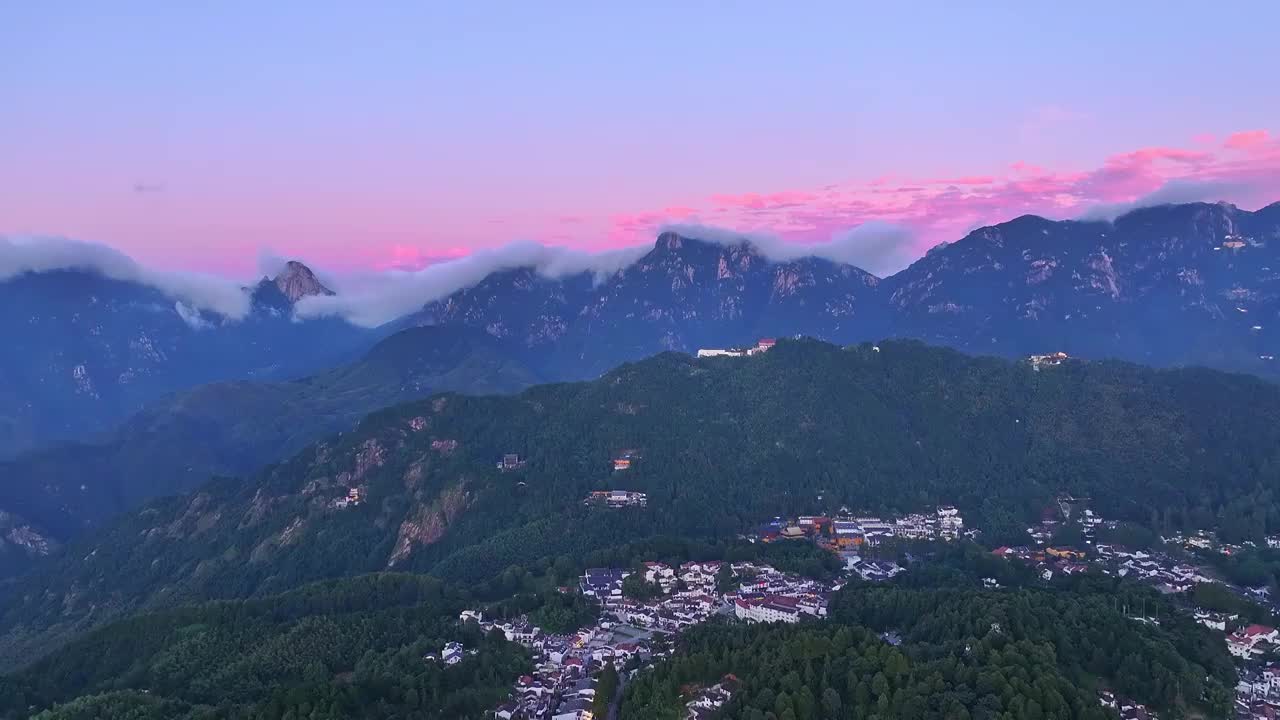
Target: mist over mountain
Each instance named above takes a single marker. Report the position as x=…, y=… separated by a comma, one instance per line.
x=86, y=348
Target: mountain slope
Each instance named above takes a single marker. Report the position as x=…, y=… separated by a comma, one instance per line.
x=84, y=351
x=724, y=442
x=684, y=294
x=1172, y=285
x=233, y=428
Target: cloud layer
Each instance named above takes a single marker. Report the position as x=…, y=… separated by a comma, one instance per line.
x=880, y=248
x=398, y=293
x=195, y=291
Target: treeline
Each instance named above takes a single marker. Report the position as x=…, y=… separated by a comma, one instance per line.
x=813, y=672
x=1098, y=628
x=963, y=653
x=350, y=648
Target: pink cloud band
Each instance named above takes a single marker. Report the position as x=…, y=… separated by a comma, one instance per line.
x=1245, y=168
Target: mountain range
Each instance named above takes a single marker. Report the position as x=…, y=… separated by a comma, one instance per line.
x=720, y=444
x=84, y=351
x=1172, y=285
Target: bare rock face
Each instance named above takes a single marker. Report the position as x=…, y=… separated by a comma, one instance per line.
x=428, y=523
x=297, y=281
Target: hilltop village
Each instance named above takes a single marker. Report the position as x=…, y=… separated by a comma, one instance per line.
x=640, y=614
x=643, y=609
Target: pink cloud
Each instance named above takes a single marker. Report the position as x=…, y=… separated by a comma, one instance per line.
x=1245, y=169
x=1246, y=140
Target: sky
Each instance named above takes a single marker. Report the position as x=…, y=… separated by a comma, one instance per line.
x=363, y=137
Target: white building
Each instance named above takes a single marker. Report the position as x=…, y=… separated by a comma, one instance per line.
x=768, y=609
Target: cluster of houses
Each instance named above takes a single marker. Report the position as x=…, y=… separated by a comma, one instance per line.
x=1126, y=709
x=1258, y=693
x=617, y=498
x=1165, y=573
x=850, y=531
x=762, y=345
x=766, y=595
x=689, y=595
x=685, y=595
x=562, y=684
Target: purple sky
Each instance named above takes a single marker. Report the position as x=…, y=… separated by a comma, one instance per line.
x=197, y=136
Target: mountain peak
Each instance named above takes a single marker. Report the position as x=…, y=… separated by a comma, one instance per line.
x=296, y=281
x=669, y=240
x=684, y=242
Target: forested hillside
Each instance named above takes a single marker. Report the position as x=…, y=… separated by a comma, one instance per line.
x=234, y=428
x=349, y=648
x=720, y=443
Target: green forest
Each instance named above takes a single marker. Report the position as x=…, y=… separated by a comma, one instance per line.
x=991, y=655
x=348, y=648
